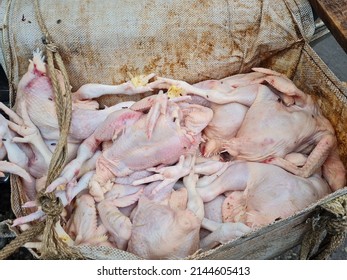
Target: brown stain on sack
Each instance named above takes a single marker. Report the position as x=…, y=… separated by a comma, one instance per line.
x=202, y=4
x=153, y=64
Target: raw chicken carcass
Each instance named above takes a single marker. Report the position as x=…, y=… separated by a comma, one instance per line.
x=110, y=128
x=36, y=93
x=176, y=132
x=213, y=209
x=272, y=130
x=262, y=193
x=281, y=120
x=226, y=121
x=229, y=99
x=84, y=223
x=228, y=116
x=117, y=224
x=162, y=229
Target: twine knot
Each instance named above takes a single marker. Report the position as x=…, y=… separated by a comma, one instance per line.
x=46, y=40
x=50, y=204
x=52, y=47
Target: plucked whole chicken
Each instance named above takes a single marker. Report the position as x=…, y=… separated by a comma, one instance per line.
x=189, y=167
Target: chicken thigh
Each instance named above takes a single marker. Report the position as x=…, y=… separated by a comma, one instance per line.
x=226, y=121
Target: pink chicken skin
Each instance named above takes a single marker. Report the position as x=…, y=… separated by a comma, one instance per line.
x=251, y=149
x=163, y=226
x=36, y=92
x=137, y=144
x=260, y=193
x=281, y=120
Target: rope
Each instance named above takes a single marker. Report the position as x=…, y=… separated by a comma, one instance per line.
x=63, y=105
x=52, y=246
x=328, y=230
x=21, y=239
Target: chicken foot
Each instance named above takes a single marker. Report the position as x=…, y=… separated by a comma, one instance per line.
x=9, y=167
x=135, y=86
x=14, y=153
x=221, y=233
x=168, y=174
x=81, y=185
x=30, y=135
x=242, y=95
x=195, y=203
x=114, y=123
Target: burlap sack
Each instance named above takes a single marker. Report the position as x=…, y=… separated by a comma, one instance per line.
x=193, y=40
x=101, y=41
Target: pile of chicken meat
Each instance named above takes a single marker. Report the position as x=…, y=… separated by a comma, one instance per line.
x=187, y=168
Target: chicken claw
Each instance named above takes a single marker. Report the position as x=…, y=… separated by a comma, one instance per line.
x=140, y=80
x=195, y=202
x=221, y=233
x=168, y=174
x=98, y=190
x=152, y=117
x=65, y=198
x=9, y=167
x=15, y=118
x=137, y=84
x=14, y=153
x=157, y=105
x=30, y=134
